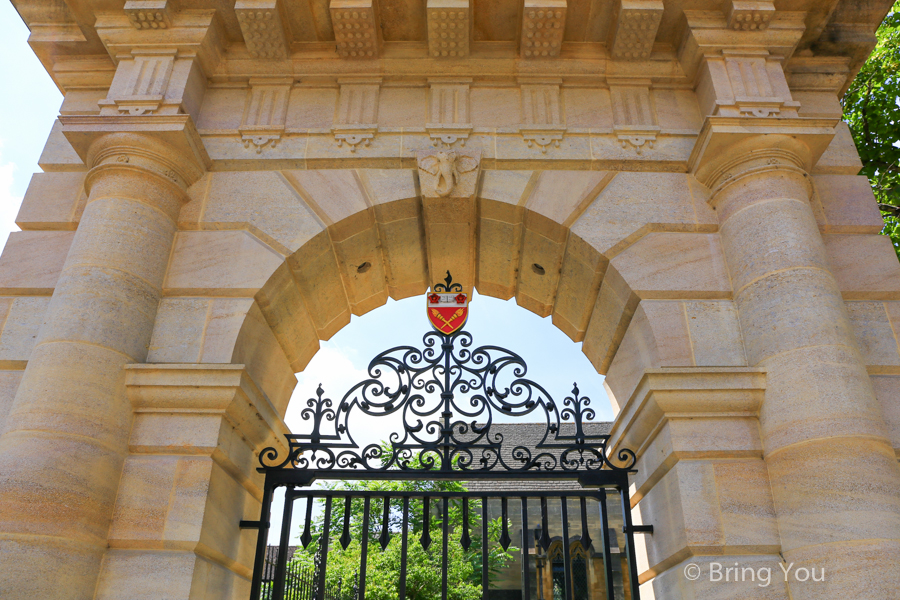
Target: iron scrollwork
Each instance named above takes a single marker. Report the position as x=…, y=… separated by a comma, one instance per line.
x=448, y=396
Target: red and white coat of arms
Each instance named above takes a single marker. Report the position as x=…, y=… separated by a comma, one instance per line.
x=448, y=306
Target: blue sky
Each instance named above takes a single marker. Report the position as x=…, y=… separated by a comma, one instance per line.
x=27, y=109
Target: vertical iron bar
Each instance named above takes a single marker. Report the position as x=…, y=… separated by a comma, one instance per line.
x=401, y=588
x=567, y=558
x=323, y=548
x=425, y=539
x=281, y=562
x=545, y=528
x=629, y=541
x=261, y=542
x=385, y=537
x=586, y=540
x=307, y=535
x=485, y=583
x=607, y=553
x=504, y=515
x=364, y=551
x=464, y=540
x=445, y=530
x=345, y=534
x=526, y=576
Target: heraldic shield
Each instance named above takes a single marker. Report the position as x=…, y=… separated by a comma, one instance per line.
x=448, y=306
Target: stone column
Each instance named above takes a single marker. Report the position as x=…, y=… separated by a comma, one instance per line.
x=834, y=475
x=62, y=452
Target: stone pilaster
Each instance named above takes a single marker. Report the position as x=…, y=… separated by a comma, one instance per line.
x=834, y=476
x=189, y=479
x=62, y=452
x=701, y=479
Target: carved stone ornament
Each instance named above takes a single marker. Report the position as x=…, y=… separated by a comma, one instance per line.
x=149, y=14
x=637, y=138
x=759, y=109
x=447, y=135
x=544, y=137
x=445, y=171
x=354, y=136
x=261, y=141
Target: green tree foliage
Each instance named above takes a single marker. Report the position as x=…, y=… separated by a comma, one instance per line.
x=872, y=109
x=423, y=578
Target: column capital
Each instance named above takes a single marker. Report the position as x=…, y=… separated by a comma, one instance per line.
x=728, y=147
x=167, y=145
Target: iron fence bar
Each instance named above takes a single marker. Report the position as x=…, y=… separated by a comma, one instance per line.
x=364, y=551
x=465, y=540
x=629, y=542
x=504, y=517
x=539, y=563
x=307, y=534
x=385, y=538
x=445, y=531
x=485, y=582
x=323, y=548
x=403, y=547
x=345, y=534
x=281, y=561
x=526, y=578
x=545, y=533
x=567, y=558
x=425, y=538
x=607, y=552
x=261, y=541
x=586, y=540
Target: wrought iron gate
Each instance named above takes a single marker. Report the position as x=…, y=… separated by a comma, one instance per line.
x=558, y=504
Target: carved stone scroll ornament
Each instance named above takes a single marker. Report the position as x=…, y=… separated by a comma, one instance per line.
x=446, y=170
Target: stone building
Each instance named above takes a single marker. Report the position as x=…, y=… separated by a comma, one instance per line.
x=227, y=182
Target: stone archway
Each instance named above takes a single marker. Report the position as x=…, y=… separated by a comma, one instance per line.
x=637, y=265
x=228, y=362
x=215, y=203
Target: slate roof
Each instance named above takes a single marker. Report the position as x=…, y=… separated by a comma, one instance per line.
x=529, y=435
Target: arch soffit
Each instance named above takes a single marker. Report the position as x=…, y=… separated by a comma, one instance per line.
x=582, y=247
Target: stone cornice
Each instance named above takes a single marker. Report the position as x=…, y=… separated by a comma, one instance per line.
x=691, y=392
x=88, y=28
x=193, y=33
x=210, y=389
x=707, y=33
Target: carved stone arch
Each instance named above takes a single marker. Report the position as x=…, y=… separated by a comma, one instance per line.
x=617, y=277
